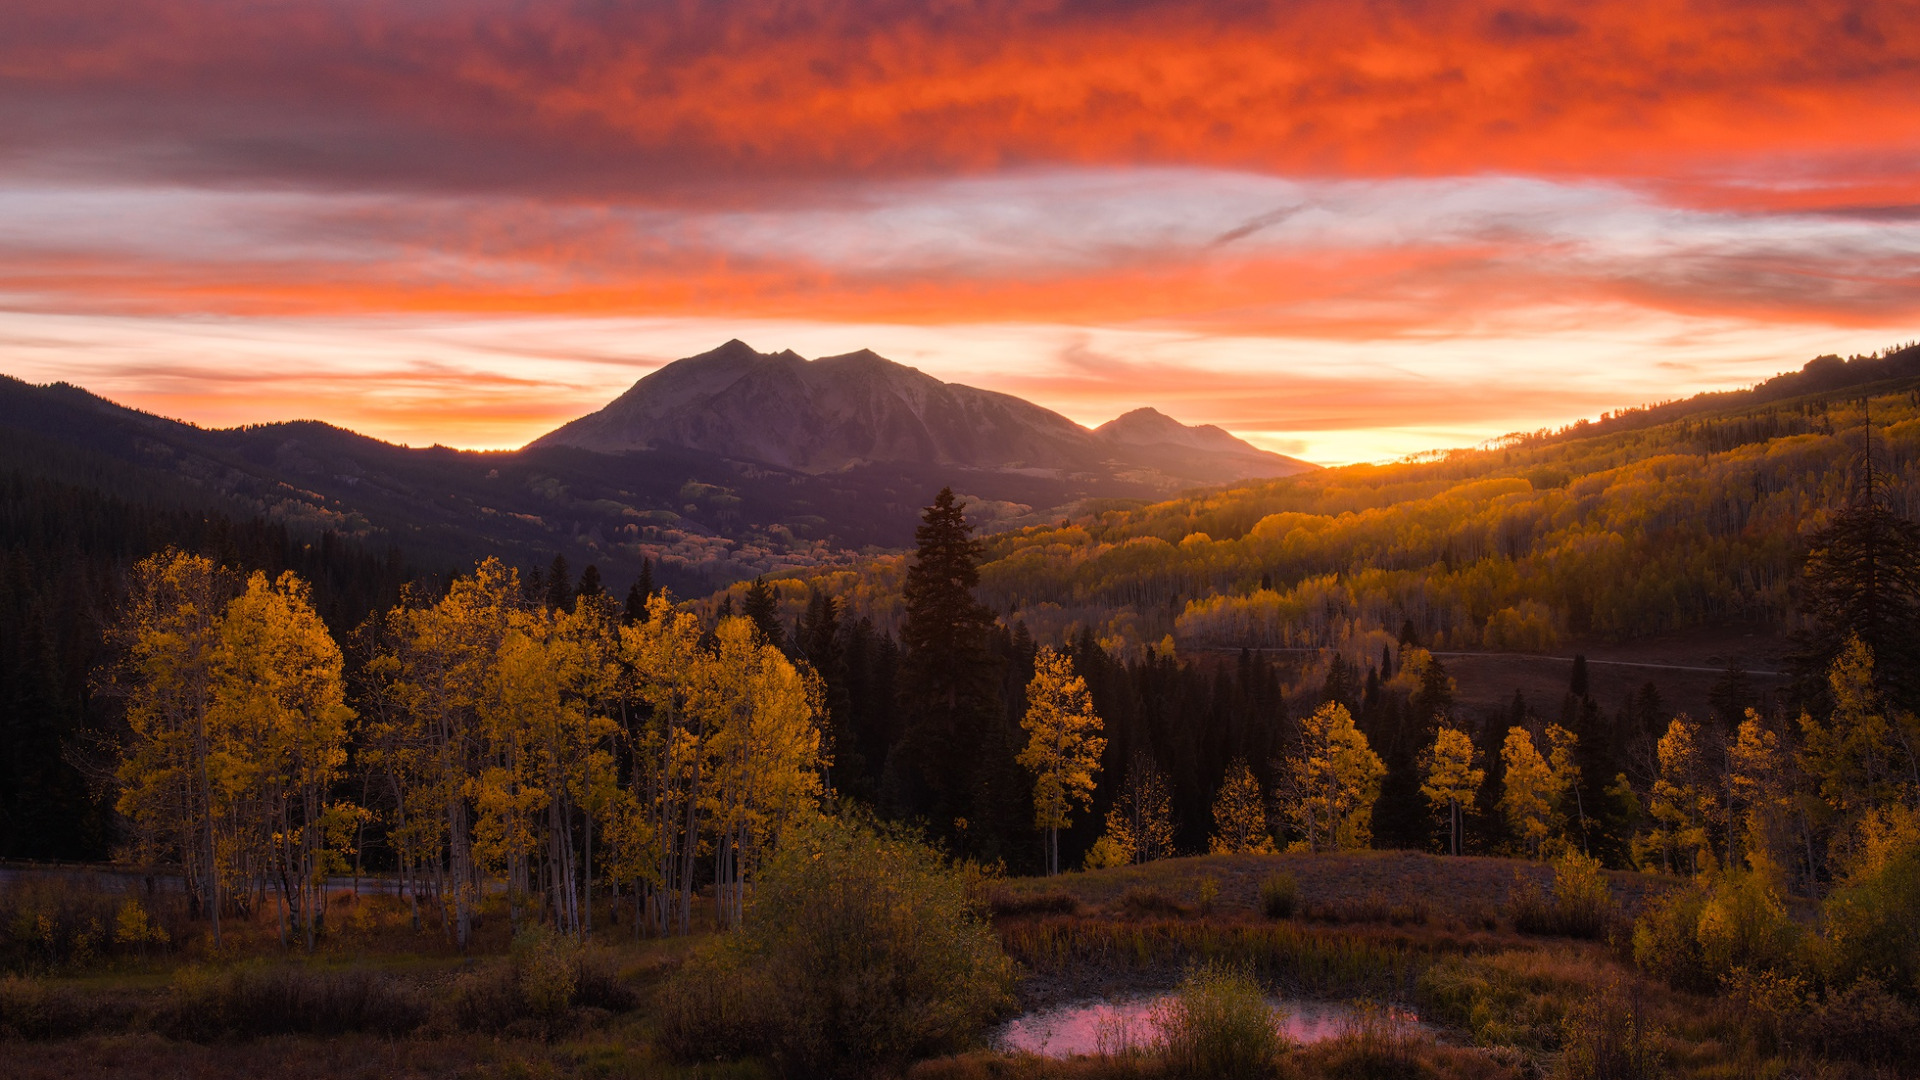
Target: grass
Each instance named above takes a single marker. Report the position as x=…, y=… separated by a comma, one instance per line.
x=1452, y=938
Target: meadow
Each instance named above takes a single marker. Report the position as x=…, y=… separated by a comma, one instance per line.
x=377, y=997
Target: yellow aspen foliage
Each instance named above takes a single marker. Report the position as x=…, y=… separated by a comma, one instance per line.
x=1760, y=790
x=1332, y=782
x=1683, y=805
x=280, y=726
x=1063, y=745
x=168, y=637
x=1452, y=782
x=1858, y=758
x=764, y=755
x=1526, y=797
x=1563, y=760
x=1240, y=815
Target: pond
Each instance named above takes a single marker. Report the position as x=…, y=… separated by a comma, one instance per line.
x=1089, y=1027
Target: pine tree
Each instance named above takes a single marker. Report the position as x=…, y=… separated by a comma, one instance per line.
x=639, y=593
x=947, y=685
x=762, y=608
x=590, y=584
x=1862, y=579
x=559, y=581
x=1063, y=746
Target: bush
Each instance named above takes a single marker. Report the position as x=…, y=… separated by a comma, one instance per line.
x=1150, y=903
x=1666, y=941
x=286, y=999
x=1004, y=904
x=1697, y=937
x=1581, y=905
x=860, y=952
x=1872, y=927
x=52, y=919
x=1279, y=893
x=547, y=979
x=1864, y=1022
x=1218, y=1024
x=1607, y=1037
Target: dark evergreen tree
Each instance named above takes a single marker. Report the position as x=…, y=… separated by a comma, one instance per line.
x=1577, y=685
x=763, y=608
x=1731, y=697
x=639, y=593
x=559, y=581
x=590, y=584
x=1862, y=578
x=947, y=684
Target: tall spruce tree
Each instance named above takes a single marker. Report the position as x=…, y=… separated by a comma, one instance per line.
x=947, y=684
x=1862, y=579
x=763, y=607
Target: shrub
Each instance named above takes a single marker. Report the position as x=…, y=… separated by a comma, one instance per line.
x=1581, y=905
x=1743, y=924
x=1871, y=928
x=1150, y=903
x=1218, y=1024
x=539, y=991
x=1696, y=937
x=860, y=952
x=1005, y=904
x=1279, y=893
x=286, y=999
x=1607, y=1037
x=1666, y=941
x=1864, y=1022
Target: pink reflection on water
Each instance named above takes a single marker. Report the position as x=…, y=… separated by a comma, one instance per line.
x=1108, y=1027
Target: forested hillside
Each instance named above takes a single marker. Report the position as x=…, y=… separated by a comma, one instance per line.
x=1604, y=531
x=65, y=549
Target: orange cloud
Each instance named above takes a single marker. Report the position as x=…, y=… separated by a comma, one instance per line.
x=618, y=98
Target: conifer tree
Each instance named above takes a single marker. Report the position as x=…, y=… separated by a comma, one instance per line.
x=762, y=608
x=1063, y=746
x=1862, y=579
x=947, y=685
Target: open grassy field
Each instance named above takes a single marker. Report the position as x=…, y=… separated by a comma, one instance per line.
x=381, y=999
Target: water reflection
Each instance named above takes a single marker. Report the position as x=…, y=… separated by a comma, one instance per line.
x=1091, y=1027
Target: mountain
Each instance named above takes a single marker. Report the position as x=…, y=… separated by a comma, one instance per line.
x=705, y=514
x=844, y=412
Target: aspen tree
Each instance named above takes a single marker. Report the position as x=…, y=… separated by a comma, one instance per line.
x=1332, y=782
x=1683, y=804
x=1526, y=797
x=1240, y=814
x=281, y=723
x=168, y=635
x=1063, y=745
x=1760, y=790
x=1563, y=761
x=1452, y=781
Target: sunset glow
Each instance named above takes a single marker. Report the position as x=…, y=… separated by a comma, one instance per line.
x=1343, y=231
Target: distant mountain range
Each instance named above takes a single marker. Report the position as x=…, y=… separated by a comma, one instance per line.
x=845, y=412
x=717, y=467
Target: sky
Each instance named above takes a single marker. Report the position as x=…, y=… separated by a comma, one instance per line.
x=1345, y=230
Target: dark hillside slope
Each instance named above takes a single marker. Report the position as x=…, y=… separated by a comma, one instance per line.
x=1608, y=533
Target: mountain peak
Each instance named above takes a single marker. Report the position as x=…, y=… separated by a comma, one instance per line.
x=861, y=408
